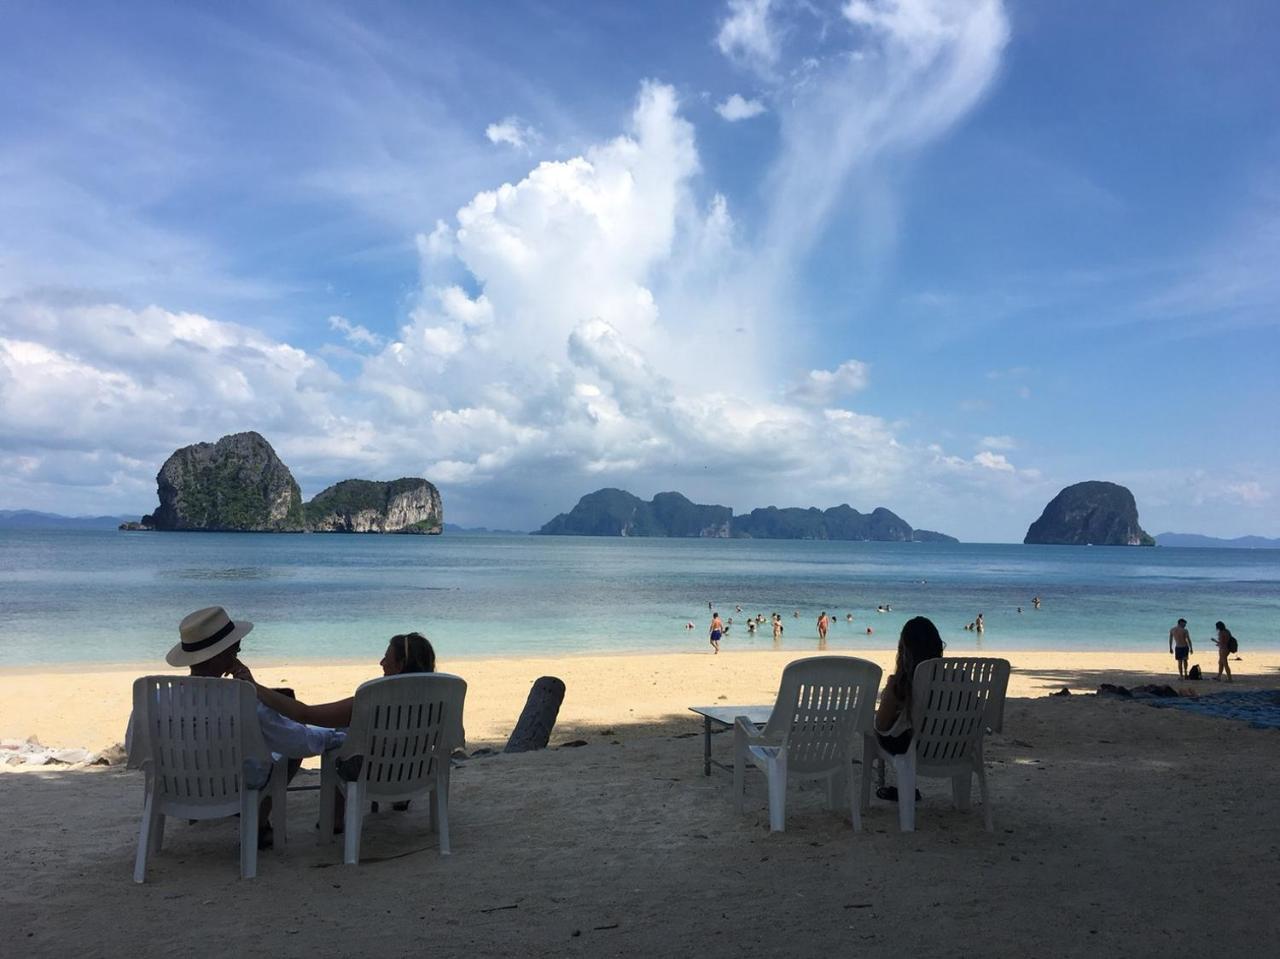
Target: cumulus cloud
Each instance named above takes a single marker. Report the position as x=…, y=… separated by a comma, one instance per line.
x=993, y=461
x=513, y=132
x=826, y=386
x=735, y=108
x=582, y=326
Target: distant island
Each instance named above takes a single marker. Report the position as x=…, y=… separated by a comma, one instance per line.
x=34, y=519
x=1093, y=513
x=1195, y=540
x=483, y=530
x=616, y=512
x=239, y=484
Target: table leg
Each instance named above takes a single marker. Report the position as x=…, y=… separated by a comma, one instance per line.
x=706, y=745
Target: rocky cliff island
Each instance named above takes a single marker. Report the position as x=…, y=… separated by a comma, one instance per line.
x=407, y=505
x=615, y=512
x=1090, y=514
x=239, y=484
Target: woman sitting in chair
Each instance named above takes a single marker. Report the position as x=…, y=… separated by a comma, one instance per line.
x=406, y=653
x=919, y=641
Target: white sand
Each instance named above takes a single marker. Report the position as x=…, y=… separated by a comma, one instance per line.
x=1120, y=830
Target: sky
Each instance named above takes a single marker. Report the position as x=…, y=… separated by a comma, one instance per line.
x=943, y=257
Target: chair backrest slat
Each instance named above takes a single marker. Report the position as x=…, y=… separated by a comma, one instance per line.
x=405, y=727
x=197, y=734
x=953, y=702
x=824, y=703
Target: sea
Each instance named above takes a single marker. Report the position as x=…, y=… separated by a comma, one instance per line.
x=71, y=597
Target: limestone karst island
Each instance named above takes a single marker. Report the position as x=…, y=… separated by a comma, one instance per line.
x=240, y=485
x=1094, y=513
x=615, y=512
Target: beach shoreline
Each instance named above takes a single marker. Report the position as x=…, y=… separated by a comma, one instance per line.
x=87, y=705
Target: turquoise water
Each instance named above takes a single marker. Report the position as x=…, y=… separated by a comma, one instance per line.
x=69, y=597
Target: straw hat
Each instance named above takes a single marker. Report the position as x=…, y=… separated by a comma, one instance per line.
x=205, y=633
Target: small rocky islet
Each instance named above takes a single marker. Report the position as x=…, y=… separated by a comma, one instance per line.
x=1093, y=513
x=239, y=484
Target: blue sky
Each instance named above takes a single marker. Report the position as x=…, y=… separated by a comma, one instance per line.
x=942, y=257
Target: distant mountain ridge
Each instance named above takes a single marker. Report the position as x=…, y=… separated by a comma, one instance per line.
x=1197, y=540
x=34, y=519
x=616, y=512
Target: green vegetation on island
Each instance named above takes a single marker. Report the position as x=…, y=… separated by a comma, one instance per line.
x=615, y=512
x=1094, y=513
x=239, y=484
x=406, y=505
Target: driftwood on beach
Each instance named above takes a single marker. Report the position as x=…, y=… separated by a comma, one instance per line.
x=533, y=730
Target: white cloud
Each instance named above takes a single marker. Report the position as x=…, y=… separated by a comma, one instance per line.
x=1250, y=493
x=513, y=132
x=354, y=332
x=993, y=461
x=826, y=386
x=747, y=34
x=594, y=333
x=737, y=108
x=1001, y=442
x=910, y=70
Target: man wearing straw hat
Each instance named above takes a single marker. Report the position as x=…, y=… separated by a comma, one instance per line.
x=209, y=646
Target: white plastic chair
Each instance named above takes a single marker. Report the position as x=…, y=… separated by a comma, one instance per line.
x=823, y=704
x=953, y=702
x=403, y=730
x=199, y=743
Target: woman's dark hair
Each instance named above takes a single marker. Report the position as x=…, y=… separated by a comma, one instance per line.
x=919, y=641
x=414, y=652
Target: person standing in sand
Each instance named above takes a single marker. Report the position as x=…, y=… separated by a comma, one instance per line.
x=1224, y=642
x=1180, y=646
x=717, y=630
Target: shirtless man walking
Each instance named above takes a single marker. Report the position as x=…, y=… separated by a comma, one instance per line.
x=823, y=624
x=1180, y=646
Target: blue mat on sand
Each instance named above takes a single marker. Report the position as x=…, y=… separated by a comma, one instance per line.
x=1261, y=709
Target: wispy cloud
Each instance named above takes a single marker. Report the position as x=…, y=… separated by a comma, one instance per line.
x=910, y=71
x=513, y=132
x=1004, y=443
x=354, y=332
x=748, y=34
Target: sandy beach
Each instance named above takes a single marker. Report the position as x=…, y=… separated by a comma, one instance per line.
x=83, y=707
x=1120, y=830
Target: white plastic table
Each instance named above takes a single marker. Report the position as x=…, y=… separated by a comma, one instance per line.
x=724, y=716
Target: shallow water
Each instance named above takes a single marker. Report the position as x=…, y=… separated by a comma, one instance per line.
x=103, y=596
